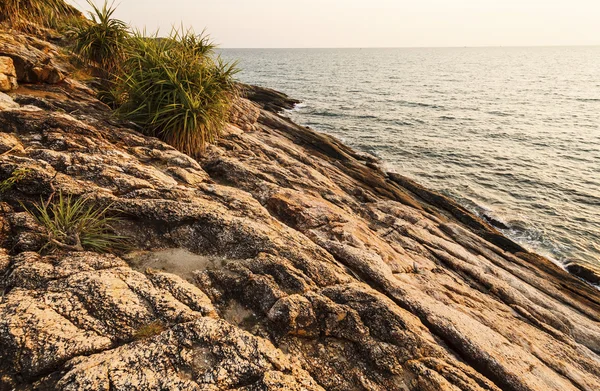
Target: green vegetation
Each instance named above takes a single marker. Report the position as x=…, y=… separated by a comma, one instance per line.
x=17, y=176
x=77, y=225
x=100, y=42
x=175, y=89
x=25, y=14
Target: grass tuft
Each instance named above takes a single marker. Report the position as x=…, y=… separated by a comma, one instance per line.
x=24, y=14
x=176, y=89
x=101, y=40
x=77, y=225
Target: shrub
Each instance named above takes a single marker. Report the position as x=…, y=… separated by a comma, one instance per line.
x=77, y=225
x=46, y=13
x=100, y=41
x=176, y=89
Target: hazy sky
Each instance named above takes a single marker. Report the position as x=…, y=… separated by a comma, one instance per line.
x=373, y=23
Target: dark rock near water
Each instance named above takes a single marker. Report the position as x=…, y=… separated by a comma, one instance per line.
x=314, y=270
x=448, y=205
x=587, y=272
x=268, y=99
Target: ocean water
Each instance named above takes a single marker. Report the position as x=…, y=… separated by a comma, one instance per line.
x=511, y=133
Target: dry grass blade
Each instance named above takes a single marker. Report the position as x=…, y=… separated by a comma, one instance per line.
x=22, y=14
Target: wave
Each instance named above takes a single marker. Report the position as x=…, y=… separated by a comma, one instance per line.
x=418, y=104
x=499, y=113
x=297, y=107
x=325, y=113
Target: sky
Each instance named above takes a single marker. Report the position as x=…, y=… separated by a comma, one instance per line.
x=371, y=23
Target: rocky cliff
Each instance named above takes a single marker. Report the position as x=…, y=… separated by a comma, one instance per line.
x=281, y=260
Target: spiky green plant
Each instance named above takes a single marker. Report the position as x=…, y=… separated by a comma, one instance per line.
x=76, y=224
x=101, y=40
x=176, y=89
x=22, y=14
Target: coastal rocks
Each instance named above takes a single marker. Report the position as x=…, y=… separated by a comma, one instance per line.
x=244, y=115
x=62, y=310
x=34, y=60
x=587, y=272
x=8, y=74
x=206, y=354
x=294, y=263
x=6, y=102
x=268, y=99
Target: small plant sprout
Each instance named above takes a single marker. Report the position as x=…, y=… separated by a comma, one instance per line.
x=17, y=176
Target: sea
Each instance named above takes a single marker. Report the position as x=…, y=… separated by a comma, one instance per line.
x=511, y=133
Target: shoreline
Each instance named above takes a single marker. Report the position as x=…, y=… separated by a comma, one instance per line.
x=582, y=270
x=295, y=263
x=533, y=163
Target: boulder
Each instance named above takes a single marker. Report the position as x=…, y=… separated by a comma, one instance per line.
x=268, y=99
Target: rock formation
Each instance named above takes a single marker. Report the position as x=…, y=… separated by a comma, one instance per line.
x=33, y=58
x=316, y=269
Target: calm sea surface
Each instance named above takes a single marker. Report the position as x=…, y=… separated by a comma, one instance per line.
x=513, y=133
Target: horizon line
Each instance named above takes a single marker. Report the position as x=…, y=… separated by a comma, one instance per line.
x=409, y=47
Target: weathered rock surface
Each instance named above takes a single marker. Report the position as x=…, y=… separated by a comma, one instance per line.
x=34, y=60
x=331, y=275
x=6, y=102
x=8, y=74
x=245, y=115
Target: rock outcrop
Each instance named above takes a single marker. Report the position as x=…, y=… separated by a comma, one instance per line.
x=317, y=270
x=268, y=99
